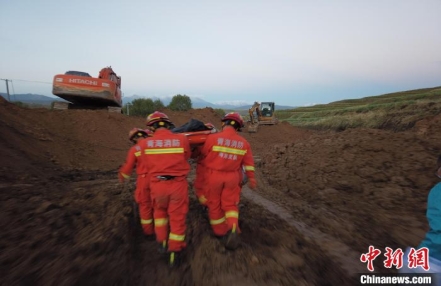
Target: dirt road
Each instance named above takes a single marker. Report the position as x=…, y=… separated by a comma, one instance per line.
x=323, y=198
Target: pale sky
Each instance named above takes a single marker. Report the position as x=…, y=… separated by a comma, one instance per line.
x=291, y=52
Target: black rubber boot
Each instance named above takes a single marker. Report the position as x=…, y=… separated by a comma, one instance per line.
x=162, y=247
x=174, y=259
x=231, y=239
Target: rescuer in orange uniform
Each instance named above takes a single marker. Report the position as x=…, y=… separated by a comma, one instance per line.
x=167, y=155
x=225, y=154
x=199, y=183
x=142, y=191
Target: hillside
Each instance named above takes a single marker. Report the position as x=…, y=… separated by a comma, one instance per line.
x=323, y=197
x=394, y=111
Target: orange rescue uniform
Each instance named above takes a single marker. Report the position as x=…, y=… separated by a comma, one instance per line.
x=142, y=191
x=199, y=182
x=167, y=156
x=224, y=155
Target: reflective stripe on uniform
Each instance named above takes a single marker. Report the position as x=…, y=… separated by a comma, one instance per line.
x=217, y=221
x=176, y=237
x=202, y=199
x=229, y=150
x=161, y=221
x=249, y=168
x=125, y=176
x=164, y=151
x=231, y=214
x=146, y=221
x=138, y=153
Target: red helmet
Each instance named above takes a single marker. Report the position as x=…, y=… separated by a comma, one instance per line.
x=234, y=118
x=157, y=117
x=148, y=132
x=137, y=132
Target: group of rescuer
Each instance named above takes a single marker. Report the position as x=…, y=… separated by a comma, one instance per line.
x=162, y=165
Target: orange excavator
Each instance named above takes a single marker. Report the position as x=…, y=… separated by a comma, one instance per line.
x=83, y=91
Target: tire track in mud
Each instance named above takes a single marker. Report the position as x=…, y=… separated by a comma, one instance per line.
x=343, y=254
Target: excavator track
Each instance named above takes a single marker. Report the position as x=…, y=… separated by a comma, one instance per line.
x=60, y=105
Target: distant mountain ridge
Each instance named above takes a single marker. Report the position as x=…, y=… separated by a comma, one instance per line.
x=195, y=101
x=200, y=103
x=30, y=98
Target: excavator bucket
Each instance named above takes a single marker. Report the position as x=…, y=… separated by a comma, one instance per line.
x=252, y=128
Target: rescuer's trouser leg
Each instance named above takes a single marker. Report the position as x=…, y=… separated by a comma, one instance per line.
x=177, y=213
x=170, y=204
x=145, y=204
x=160, y=204
x=214, y=194
x=223, y=201
x=229, y=203
x=230, y=198
x=200, y=185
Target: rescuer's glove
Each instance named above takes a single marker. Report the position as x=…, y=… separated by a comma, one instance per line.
x=252, y=183
x=244, y=180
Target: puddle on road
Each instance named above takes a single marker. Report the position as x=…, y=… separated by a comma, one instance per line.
x=343, y=254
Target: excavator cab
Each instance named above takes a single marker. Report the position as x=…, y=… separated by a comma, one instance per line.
x=261, y=114
x=267, y=109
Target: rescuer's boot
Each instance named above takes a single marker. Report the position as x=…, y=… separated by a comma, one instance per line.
x=162, y=247
x=231, y=239
x=174, y=258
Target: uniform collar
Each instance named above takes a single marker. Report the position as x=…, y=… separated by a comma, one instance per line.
x=230, y=130
x=162, y=131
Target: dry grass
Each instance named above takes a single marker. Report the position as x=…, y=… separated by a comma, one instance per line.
x=396, y=111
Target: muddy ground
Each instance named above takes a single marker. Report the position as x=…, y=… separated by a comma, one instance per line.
x=323, y=198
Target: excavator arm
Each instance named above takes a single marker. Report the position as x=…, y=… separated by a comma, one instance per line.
x=254, y=113
x=254, y=108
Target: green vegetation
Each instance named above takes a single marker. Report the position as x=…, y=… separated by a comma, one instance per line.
x=145, y=106
x=21, y=104
x=142, y=107
x=180, y=103
x=219, y=111
x=394, y=111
